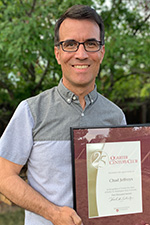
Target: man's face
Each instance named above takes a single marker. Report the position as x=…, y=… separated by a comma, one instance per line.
x=80, y=68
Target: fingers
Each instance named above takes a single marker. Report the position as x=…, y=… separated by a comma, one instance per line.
x=76, y=219
x=66, y=216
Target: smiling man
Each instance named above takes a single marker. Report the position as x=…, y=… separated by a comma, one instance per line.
x=39, y=131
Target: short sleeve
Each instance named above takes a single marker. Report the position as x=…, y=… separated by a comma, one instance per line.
x=17, y=141
x=124, y=122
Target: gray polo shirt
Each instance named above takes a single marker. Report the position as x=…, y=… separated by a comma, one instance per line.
x=39, y=133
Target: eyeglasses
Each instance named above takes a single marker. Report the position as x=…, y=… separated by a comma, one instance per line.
x=90, y=45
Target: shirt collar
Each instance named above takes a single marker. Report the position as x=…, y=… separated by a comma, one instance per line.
x=69, y=96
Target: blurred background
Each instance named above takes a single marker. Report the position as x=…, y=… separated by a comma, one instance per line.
x=28, y=65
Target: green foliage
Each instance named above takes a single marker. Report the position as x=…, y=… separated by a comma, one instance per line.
x=12, y=217
x=28, y=65
x=125, y=69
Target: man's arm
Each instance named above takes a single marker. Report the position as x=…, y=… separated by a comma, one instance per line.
x=22, y=194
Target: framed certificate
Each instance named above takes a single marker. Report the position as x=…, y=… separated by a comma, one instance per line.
x=111, y=171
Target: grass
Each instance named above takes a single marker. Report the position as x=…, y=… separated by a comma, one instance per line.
x=12, y=217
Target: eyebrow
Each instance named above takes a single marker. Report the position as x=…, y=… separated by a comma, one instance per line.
x=90, y=39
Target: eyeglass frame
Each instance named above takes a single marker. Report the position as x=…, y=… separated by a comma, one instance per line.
x=80, y=43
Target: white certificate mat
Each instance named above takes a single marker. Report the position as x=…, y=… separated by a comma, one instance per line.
x=118, y=186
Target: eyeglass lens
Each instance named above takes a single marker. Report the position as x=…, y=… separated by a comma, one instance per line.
x=89, y=45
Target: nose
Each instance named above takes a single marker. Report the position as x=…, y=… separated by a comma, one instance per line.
x=81, y=53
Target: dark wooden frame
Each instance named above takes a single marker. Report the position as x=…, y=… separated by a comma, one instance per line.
x=118, y=134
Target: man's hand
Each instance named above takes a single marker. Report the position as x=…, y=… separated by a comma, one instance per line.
x=66, y=216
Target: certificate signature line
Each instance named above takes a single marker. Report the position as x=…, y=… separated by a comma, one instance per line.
x=120, y=199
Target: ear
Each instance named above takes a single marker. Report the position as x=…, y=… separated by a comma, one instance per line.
x=57, y=54
x=102, y=51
